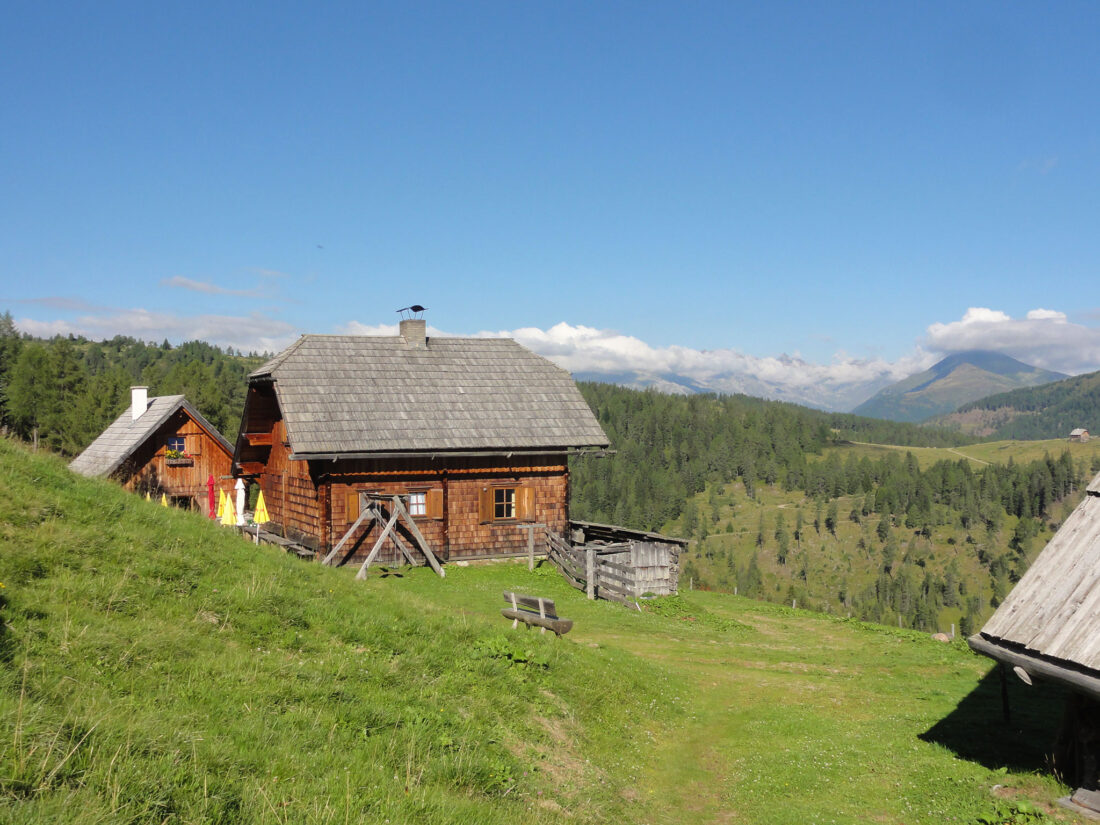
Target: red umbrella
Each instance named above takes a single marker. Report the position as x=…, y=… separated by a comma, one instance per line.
x=210, y=496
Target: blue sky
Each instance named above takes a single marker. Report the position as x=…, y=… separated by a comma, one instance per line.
x=853, y=185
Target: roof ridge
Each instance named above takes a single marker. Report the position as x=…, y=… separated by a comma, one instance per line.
x=273, y=363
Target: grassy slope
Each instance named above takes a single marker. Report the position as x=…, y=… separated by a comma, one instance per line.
x=155, y=669
x=996, y=452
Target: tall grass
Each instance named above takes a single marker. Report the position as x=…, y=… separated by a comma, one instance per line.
x=156, y=668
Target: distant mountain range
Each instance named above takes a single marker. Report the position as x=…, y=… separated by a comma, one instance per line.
x=954, y=381
x=833, y=395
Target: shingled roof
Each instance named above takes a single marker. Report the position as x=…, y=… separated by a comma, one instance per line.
x=366, y=394
x=1050, y=622
x=120, y=440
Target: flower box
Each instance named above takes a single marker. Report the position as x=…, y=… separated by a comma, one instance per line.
x=179, y=462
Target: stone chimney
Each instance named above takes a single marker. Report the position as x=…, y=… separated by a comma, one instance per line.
x=139, y=401
x=414, y=331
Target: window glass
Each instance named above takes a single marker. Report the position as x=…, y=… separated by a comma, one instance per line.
x=176, y=443
x=504, y=503
x=418, y=504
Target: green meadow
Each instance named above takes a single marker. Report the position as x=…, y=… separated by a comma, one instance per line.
x=155, y=668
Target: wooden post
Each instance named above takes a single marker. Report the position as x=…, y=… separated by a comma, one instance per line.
x=590, y=572
x=530, y=528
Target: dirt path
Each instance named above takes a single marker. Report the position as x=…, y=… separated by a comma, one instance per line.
x=967, y=457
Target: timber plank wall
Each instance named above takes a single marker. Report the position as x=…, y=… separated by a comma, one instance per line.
x=316, y=502
x=459, y=530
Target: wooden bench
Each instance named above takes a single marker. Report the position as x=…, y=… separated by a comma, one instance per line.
x=533, y=610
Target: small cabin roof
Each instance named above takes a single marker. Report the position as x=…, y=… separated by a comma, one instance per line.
x=123, y=437
x=1053, y=614
x=1078, y=431
x=346, y=394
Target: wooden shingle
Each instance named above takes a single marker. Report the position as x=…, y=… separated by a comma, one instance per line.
x=364, y=394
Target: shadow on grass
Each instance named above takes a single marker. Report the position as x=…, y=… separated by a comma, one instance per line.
x=976, y=729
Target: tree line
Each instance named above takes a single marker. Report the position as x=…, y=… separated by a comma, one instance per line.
x=676, y=454
x=668, y=447
x=62, y=392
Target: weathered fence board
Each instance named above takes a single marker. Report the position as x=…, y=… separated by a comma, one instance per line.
x=626, y=565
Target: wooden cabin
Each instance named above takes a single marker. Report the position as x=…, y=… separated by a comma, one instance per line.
x=160, y=445
x=1048, y=628
x=472, y=434
x=1079, y=434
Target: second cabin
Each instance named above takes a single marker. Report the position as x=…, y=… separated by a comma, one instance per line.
x=473, y=434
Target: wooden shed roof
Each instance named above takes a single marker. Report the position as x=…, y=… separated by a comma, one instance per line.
x=370, y=394
x=1053, y=614
x=122, y=438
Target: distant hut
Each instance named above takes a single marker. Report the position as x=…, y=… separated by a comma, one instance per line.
x=471, y=435
x=1079, y=434
x=160, y=445
x=1049, y=628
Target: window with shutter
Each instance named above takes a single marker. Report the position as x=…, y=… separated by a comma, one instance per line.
x=511, y=503
x=351, y=505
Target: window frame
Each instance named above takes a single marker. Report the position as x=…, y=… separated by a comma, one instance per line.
x=416, y=502
x=504, y=503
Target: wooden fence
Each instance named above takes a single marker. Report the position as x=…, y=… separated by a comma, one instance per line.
x=623, y=571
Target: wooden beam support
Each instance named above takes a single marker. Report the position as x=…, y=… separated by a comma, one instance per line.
x=332, y=554
x=362, y=574
x=399, y=509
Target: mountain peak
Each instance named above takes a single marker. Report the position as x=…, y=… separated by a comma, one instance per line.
x=957, y=379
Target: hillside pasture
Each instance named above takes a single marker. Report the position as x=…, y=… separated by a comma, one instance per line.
x=155, y=667
x=990, y=452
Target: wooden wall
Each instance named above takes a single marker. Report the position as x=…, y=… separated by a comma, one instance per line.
x=290, y=492
x=149, y=469
x=460, y=532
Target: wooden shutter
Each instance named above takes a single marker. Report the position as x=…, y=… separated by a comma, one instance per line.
x=525, y=503
x=434, y=503
x=351, y=505
x=194, y=444
x=485, y=504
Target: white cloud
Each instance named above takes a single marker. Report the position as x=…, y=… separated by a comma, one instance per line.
x=1045, y=315
x=179, y=282
x=250, y=333
x=1044, y=338
x=602, y=353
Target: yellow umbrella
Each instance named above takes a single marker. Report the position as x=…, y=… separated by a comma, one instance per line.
x=261, y=516
x=163, y=499
x=229, y=513
x=148, y=496
x=221, y=502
